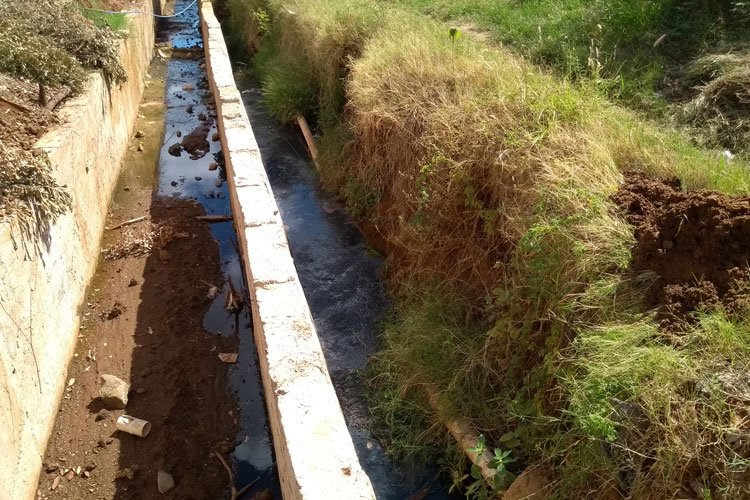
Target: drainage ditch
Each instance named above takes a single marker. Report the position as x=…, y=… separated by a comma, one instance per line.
x=156, y=314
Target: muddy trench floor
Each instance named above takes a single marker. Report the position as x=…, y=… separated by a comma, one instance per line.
x=142, y=321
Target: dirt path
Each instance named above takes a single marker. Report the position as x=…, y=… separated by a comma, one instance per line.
x=143, y=322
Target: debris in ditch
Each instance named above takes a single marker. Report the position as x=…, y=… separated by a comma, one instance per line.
x=225, y=447
x=112, y=313
x=70, y=475
x=113, y=392
x=128, y=222
x=214, y=218
x=213, y=166
x=235, y=493
x=164, y=481
x=132, y=243
x=132, y=425
x=102, y=414
x=195, y=143
x=421, y=494
x=128, y=472
x=228, y=357
x=215, y=136
x=55, y=483
x=175, y=149
x=213, y=290
x=234, y=299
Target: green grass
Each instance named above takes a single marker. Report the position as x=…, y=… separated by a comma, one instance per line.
x=628, y=49
x=490, y=179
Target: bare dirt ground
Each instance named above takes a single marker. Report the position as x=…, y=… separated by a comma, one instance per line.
x=697, y=242
x=143, y=322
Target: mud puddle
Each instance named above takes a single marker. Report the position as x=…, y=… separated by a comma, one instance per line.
x=149, y=319
x=191, y=167
x=341, y=280
x=695, y=243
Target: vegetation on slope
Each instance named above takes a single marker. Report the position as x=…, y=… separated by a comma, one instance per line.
x=663, y=56
x=489, y=183
x=51, y=43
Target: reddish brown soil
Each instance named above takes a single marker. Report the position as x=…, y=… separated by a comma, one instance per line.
x=697, y=243
x=22, y=120
x=177, y=381
x=143, y=322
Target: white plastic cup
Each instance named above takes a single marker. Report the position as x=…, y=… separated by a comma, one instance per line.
x=132, y=425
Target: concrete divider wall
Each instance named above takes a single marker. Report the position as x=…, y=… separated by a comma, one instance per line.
x=41, y=292
x=314, y=451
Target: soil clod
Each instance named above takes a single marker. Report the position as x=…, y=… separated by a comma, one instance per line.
x=697, y=243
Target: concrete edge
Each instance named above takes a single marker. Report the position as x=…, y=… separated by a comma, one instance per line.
x=47, y=283
x=315, y=454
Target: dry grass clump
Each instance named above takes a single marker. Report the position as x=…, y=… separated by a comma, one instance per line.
x=28, y=192
x=722, y=103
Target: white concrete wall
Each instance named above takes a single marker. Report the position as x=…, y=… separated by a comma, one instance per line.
x=314, y=451
x=40, y=293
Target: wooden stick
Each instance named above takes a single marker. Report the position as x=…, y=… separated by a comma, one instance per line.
x=464, y=436
x=309, y=139
x=128, y=222
x=215, y=218
x=59, y=97
x=235, y=494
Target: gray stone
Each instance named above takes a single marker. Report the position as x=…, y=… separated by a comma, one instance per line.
x=164, y=481
x=113, y=392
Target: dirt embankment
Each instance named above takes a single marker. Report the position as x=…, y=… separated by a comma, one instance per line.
x=696, y=242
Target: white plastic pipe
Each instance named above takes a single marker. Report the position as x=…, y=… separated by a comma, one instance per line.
x=132, y=425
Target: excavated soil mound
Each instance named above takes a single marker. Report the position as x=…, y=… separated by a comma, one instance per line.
x=696, y=242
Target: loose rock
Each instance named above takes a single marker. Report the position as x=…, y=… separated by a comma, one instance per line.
x=175, y=149
x=188, y=87
x=215, y=136
x=213, y=166
x=164, y=481
x=102, y=414
x=139, y=134
x=140, y=147
x=113, y=392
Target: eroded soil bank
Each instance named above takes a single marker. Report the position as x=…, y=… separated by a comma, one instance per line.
x=697, y=243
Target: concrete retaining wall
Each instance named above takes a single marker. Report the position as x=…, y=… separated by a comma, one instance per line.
x=40, y=292
x=314, y=451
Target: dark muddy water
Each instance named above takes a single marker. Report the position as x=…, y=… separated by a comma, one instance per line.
x=340, y=277
x=191, y=178
x=341, y=280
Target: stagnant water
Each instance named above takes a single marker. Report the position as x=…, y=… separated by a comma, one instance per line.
x=341, y=279
x=182, y=176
